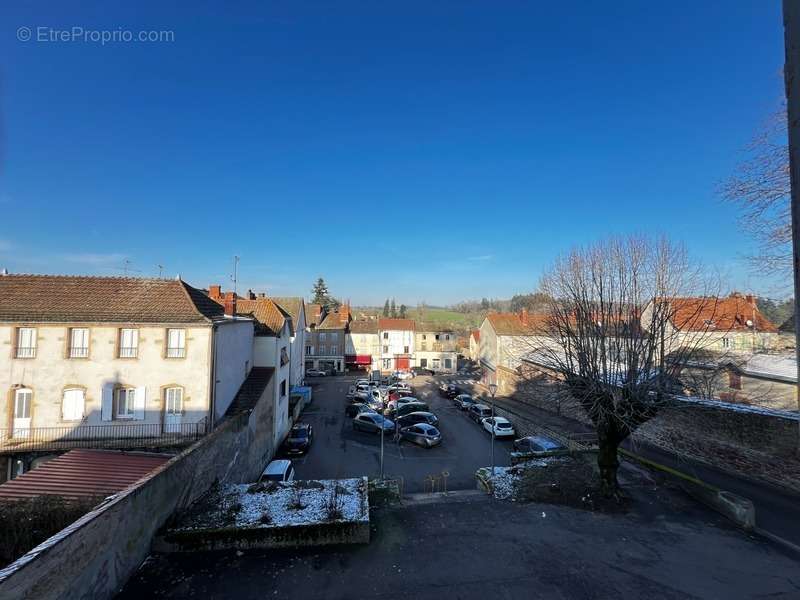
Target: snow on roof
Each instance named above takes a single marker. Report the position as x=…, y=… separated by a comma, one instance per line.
x=783, y=366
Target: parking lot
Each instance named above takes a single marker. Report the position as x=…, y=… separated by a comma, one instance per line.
x=339, y=451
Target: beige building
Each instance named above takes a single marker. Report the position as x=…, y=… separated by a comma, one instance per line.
x=362, y=346
x=475, y=345
x=90, y=361
x=435, y=349
x=325, y=339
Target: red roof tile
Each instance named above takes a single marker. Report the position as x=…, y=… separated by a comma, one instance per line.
x=397, y=324
x=83, y=473
x=719, y=314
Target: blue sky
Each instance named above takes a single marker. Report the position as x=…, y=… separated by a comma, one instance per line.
x=431, y=151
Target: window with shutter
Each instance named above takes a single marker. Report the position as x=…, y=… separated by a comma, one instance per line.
x=26, y=342
x=72, y=405
x=128, y=343
x=174, y=401
x=22, y=404
x=126, y=398
x=176, y=343
x=79, y=342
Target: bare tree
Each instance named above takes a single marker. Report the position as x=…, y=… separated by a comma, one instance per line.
x=609, y=333
x=761, y=188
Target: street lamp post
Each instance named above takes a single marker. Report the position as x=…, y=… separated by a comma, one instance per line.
x=492, y=391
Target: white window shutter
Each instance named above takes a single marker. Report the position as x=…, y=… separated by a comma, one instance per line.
x=107, y=402
x=139, y=403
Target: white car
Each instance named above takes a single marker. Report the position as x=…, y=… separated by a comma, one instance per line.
x=401, y=375
x=315, y=373
x=499, y=426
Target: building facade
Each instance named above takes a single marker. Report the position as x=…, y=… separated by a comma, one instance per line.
x=436, y=350
x=397, y=337
x=104, y=358
x=325, y=341
x=362, y=345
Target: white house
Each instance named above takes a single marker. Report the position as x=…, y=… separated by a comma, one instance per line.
x=362, y=345
x=295, y=308
x=505, y=338
x=396, y=343
x=113, y=357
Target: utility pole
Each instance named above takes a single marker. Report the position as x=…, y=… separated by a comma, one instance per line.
x=791, y=75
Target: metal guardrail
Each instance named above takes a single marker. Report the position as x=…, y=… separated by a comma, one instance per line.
x=116, y=436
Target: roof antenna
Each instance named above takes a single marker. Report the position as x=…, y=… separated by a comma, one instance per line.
x=160, y=270
x=235, y=276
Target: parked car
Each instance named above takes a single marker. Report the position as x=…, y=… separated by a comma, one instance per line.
x=538, y=444
x=315, y=373
x=501, y=427
x=476, y=412
x=409, y=407
x=394, y=403
x=464, y=401
x=449, y=390
x=372, y=422
x=417, y=417
x=422, y=434
x=401, y=375
x=422, y=371
x=299, y=439
x=278, y=470
x=351, y=410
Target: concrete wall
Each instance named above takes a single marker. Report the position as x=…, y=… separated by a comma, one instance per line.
x=441, y=357
x=298, y=349
x=426, y=341
x=233, y=361
x=50, y=372
x=94, y=556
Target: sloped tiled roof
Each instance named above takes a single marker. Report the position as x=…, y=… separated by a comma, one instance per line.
x=332, y=321
x=365, y=326
x=719, y=314
x=476, y=333
x=512, y=324
x=269, y=317
x=294, y=306
x=90, y=299
x=313, y=314
x=83, y=474
x=251, y=390
x=397, y=324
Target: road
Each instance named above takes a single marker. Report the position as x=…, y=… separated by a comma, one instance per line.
x=338, y=451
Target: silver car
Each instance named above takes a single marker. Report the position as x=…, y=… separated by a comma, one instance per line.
x=422, y=434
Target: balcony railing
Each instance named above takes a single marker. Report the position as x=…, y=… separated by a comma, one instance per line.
x=79, y=352
x=116, y=436
x=176, y=352
x=128, y=352
x=25, y=352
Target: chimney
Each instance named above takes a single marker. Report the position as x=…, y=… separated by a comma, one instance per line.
x=251, y=295
x=750, y=299
x=215, y=292
x=230, y=304
x=523, y=316
x=262, y=295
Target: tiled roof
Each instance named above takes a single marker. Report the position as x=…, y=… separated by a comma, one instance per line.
x=719, y=314
x=89, y=299
x=313, y=314
x=83, y=474
x=512, y=324
x=476, y=333
x=269, y=317
x=366, y=326
x=251, y=390
x=332, y=321
x=397, y=324
x=294, y=306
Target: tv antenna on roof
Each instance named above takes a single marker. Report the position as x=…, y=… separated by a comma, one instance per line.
x=160, y=270
x=126, y=267
x=235, y=276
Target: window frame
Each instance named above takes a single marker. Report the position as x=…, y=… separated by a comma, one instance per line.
x=135, y=347
x=168, y=350
x=34, y=341
x=74, y=351
x=182, y=397
x=17, y=393
x=73, y=388
x=130, y=410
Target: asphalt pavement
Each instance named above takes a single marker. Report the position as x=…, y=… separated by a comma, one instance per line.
x=339, y=451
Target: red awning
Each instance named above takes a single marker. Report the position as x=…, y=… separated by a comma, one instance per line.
x=358, y=359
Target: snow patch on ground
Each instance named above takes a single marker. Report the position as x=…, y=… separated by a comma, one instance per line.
x=281, y=504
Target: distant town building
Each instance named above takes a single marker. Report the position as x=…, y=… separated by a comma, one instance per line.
x=435, y=349
x=396, y=343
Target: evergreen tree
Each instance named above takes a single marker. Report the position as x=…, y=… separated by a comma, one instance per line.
x=320, y=292
x=403, y=311
x=386, y=308
x=393, y=309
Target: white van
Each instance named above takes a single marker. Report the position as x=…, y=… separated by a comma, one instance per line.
x=278, y=470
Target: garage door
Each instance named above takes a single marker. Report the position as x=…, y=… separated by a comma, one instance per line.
x=402, y=362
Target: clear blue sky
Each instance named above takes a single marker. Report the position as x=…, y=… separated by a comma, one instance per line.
x=430, y=151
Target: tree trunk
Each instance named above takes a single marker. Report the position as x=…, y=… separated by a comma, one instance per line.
x=608, y=463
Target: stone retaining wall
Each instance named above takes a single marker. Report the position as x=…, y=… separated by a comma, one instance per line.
x=94, y=557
